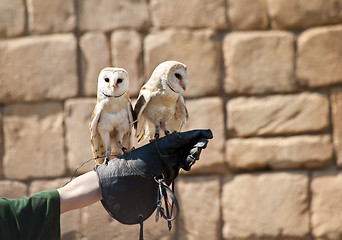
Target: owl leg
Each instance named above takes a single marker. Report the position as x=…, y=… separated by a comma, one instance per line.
x=156, y=134
x=106, y=139
x=124, y=150
x=162, y=125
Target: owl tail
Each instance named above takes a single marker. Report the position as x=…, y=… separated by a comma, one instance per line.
x=144, y=130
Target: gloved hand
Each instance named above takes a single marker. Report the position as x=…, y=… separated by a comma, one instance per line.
x=168, y=154
x=129, y=185
x=186, y=147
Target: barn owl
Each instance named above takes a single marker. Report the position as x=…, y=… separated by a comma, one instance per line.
x=112, y=118
x=160, y=103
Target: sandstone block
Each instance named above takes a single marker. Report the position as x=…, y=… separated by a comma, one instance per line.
x=207, y=113
x=12, y=18
x=296, y=14
x=320, y=56
x=199, y=50
x=336, y=113
x=265, y=206
x=95, y=56
x=112, y=14
x=95, y=217
x=38, y=68
x=247, y=14
x=46, y=185
x=51, y=16
x=1, y=143
x=12, y=189
x=199, y=200
x=77, y=118
x=281, y=114
x=326, y=220
x=127, y=53
x=279, y=153
x=33, y=136
x=191, y=13
x=70, y=221
x=259, y=62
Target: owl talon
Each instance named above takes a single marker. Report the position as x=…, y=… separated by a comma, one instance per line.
x=106, y=160
x=156, y=136
x=124, y=150
x=167, y=132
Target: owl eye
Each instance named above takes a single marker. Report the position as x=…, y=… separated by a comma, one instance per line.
x=106, y=79
x=178, y=76
x=119, y=80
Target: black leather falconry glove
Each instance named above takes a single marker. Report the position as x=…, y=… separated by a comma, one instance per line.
x=129, y=183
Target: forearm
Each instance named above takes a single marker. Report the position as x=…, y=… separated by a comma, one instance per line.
x=81, y=192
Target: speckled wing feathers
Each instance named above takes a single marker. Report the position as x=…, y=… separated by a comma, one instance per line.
x=181, y=114
x=96, y=141
x=141, y=124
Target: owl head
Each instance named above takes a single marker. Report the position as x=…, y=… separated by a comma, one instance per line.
x=175, y=74
x=112, y=82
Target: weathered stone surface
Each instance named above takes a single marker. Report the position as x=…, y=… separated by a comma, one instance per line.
x=262, y=206
x=199, y=50
x=38, y=68
x=12, y=189
x=296, y=14
x=326, y=207
x=127, y=53
x=281, y=114
x=191, y=13
x=77, y=117
x=199, y=200
x=51, y=16
x=95, y=55
x=203, y=114
x=247, y=14
x=336, y=114
x=112, y=14
x=1, y=144
x=12, y=18
x=95, y=217
x=259, y=62
x=320, y=56
x=279, y=153
x=34, y=146
x=70, y=221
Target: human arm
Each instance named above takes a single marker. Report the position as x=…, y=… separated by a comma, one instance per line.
x=81, y=192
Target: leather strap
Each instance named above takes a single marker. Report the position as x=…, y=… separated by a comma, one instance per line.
x=141, y=235
x=165, y=192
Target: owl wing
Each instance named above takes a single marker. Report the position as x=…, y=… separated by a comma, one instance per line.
x=131, y=119
x=180, y=117
x=95, y=138
x=141, y=124
x=131, y=114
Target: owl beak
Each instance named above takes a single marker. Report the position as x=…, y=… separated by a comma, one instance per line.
x=181, y=83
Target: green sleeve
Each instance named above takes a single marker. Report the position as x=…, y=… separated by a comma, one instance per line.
x=31, y=218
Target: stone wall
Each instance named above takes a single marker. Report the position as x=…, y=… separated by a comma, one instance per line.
x=265, y=76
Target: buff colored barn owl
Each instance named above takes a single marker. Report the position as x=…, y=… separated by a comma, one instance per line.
x=112, y=118
x=160, y=103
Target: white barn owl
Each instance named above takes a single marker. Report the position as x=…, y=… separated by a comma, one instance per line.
x=160, y=103
x=112, y=118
